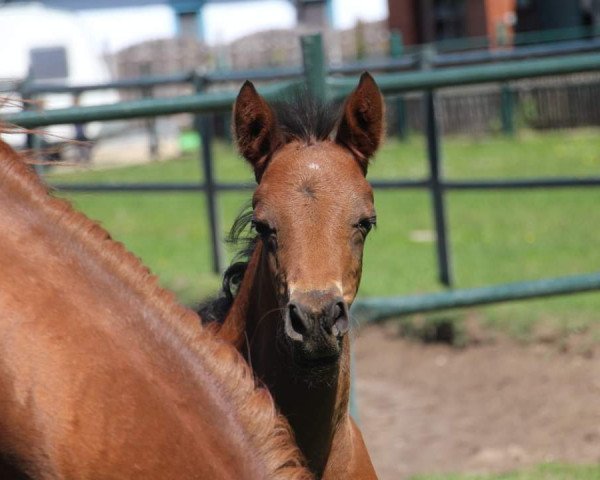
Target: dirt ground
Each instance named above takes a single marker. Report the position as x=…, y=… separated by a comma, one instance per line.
x=492, y=407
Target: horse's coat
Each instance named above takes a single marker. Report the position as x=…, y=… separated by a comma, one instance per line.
x=312, y=210
x=102, y=373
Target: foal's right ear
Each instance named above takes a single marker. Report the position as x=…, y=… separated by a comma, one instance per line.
x=362, y=124
x=255, y=128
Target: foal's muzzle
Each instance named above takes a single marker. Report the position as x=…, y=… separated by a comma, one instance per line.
x=317, y=322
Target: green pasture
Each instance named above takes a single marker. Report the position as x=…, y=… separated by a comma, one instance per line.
x=542, y=472
x=496, y=236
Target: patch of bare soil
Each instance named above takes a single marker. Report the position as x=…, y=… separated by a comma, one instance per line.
x=492, y=407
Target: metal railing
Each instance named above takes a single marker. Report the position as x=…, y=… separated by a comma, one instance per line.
x=519, y=39
x=315, y=77
x=376, y=309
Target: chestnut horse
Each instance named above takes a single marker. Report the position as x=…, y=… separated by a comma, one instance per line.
x=312, y=211
x=102, y=373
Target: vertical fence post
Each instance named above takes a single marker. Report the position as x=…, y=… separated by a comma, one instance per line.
x=146, y=69
x=32, y=142
x=204, y=128
x=435, y=178
x=353, y=405
x=507, y=109
x=313, y=57
x=396, y=51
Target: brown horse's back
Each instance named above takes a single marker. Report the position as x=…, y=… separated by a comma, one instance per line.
x=102, y=375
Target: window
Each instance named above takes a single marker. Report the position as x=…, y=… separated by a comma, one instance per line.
x=49, y=63
x=524, y=3
x=449, y=19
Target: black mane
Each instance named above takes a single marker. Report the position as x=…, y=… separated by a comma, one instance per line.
x=300, y=118
x=215, y=309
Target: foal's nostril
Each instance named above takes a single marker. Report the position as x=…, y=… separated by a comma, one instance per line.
x=340, y=322
x=299, y=321
x=338, y=311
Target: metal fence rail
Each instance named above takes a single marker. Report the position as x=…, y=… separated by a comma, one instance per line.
x=149, y=81
x=394, y=83
x=36, y=88
x=518, y=53
x=174, y=187
x=147, y=107
x=381, y=308
x=519, y=39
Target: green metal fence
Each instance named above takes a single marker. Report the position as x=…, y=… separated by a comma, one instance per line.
x=376, y=309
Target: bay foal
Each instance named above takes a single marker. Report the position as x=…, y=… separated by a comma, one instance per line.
x=102, y=374
x=286, y=306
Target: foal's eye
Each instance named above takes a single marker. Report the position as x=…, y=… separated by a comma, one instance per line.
x=262, y=228
x=366, y=224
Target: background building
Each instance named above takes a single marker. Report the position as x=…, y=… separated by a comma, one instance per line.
x=423, y=21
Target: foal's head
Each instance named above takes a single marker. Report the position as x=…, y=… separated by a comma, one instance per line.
x=312, y=209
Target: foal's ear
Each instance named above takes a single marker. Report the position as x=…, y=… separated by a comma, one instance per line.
x=255, y=128
x=362, y=124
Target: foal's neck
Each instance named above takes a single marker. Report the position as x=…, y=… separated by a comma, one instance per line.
x=315, y=403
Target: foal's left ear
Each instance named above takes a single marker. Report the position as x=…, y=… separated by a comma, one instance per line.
x=362, y=124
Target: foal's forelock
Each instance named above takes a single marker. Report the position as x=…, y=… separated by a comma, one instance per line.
x=306, y=120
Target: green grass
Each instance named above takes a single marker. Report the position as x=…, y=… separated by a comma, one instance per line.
x=495, y=236
x=542, y=472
